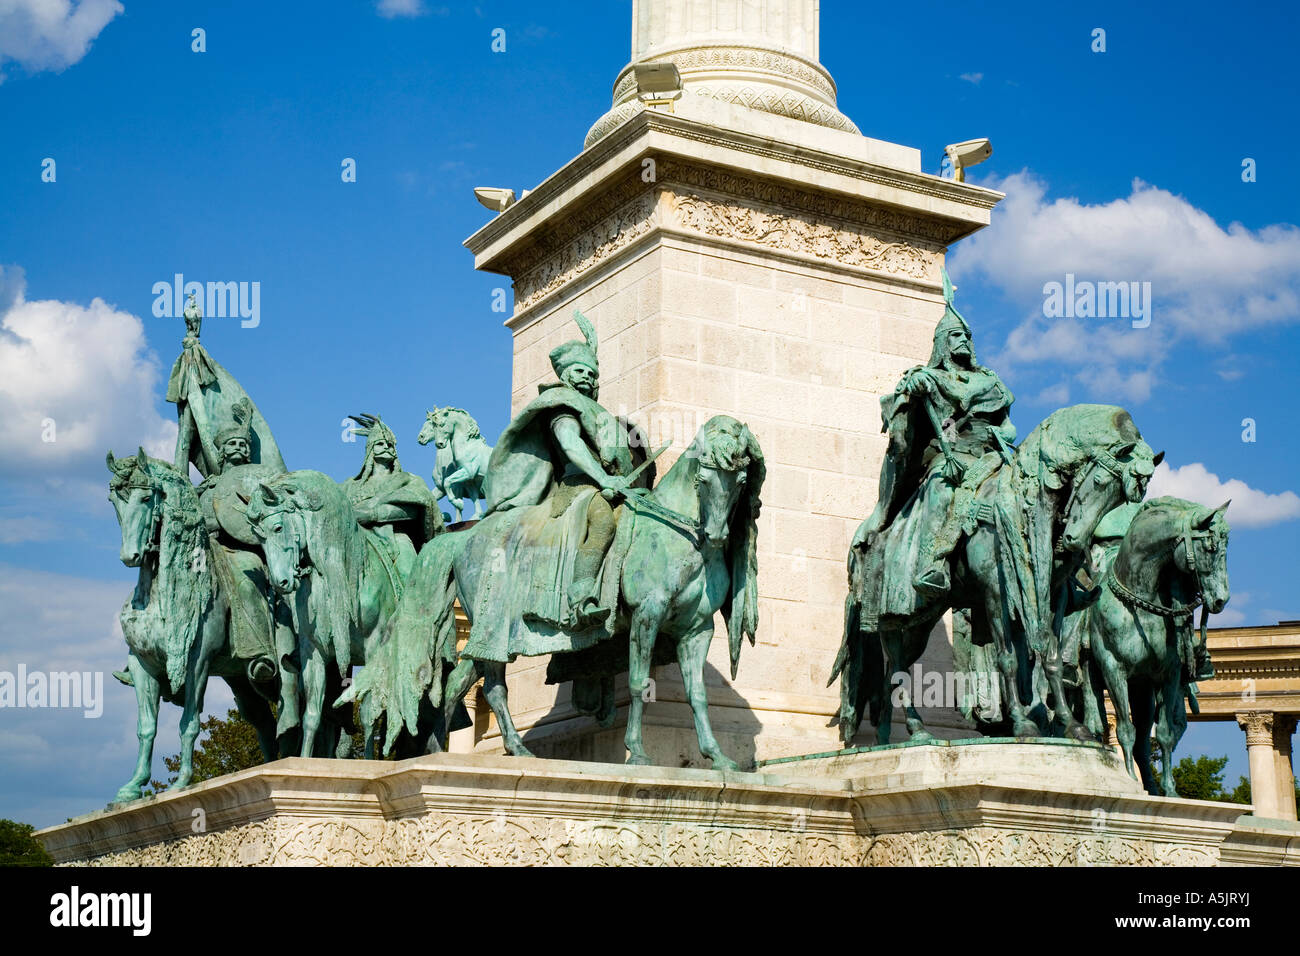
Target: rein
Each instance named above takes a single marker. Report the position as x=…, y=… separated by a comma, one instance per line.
x=1177, y=612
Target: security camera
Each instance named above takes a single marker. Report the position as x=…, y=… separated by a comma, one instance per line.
x=495, y=197
x=658, y=83
x=970, y=153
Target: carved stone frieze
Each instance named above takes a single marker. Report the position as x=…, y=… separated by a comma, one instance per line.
x=498, y=840
x=736, y=59
x=718, y=204
x=588, y=249
x=842, y=243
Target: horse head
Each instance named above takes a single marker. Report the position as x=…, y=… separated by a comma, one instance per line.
x=1114, y=466
x=430, y=428
x=137, y=499
x=277, y=520
x=1203, y=553
x=729, y=461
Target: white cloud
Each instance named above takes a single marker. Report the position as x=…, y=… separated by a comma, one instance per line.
x=50, y=34
x=1250, y=508
x=25, y=528
x=1208, y=282
x=391, y=9
x=82, y=376
x=974, y=78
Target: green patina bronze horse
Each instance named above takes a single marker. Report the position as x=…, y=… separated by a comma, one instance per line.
x=682, y=552
x=462, y=457
x=341, y=579
x=176, y=622
x=1138, y=638
x=1027, y=530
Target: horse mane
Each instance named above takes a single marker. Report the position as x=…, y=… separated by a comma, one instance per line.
x=728, y=445
x=182, y=586
x=461, y=415
x=337, y=547
x=1068, y=437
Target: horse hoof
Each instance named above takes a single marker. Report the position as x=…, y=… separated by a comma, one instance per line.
x=128, y=794
x=721, y=762
x=1026, y=728
x=920, y=735
x=638, y=760
x=1077, y=731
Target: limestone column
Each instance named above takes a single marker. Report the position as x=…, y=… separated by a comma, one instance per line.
x=743, y=250
x=1283, y=728
x=1112, y=733
x=1258, y=726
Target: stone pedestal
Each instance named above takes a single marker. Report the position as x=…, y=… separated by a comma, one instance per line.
x=749, y=255
x=932, y=808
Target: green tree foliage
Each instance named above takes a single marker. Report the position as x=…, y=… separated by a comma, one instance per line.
x=1200, y=778
x=224, y=746
x=19, y=848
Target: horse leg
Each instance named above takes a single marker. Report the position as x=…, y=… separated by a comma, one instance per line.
x=1117, y=684
x=1008, y=664
x=212, y=635
x=313, y=681
x=147, y=694
x=914, y=641
x=1094, y=704
x=255, y=709
x=456, y=685
x=1171, y=722
x=1054, y=666
x=494, y=689
x=691, y=654
x=641, y=644
x=890, y=645
x=1142, y=695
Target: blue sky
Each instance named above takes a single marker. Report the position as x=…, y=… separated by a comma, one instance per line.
x=225, y=165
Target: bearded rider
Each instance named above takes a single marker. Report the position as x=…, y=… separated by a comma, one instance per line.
x=394, y=503
x=949, y=429
x=566, y=449
x=238, y=564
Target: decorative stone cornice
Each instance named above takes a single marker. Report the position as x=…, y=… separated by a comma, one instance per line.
x=460, y=809
x=724, y=207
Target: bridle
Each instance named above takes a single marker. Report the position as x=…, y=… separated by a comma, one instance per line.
x=1175, y=612
x=1100, y=459
x=153, y=541
x=288, y=517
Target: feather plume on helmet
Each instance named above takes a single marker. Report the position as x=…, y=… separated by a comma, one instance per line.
x=952, y=321
x=373, y=429
x=240, y=427
x=565, y=356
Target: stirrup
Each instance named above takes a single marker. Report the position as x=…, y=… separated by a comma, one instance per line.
x=262, y=669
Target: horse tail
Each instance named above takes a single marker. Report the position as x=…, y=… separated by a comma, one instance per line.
x=860, y=664
x=408, y=661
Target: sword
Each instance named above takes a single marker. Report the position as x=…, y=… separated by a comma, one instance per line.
x=635, y=473
x=642, y=503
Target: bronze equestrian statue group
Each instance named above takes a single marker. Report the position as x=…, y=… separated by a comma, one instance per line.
x=1063, y=586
